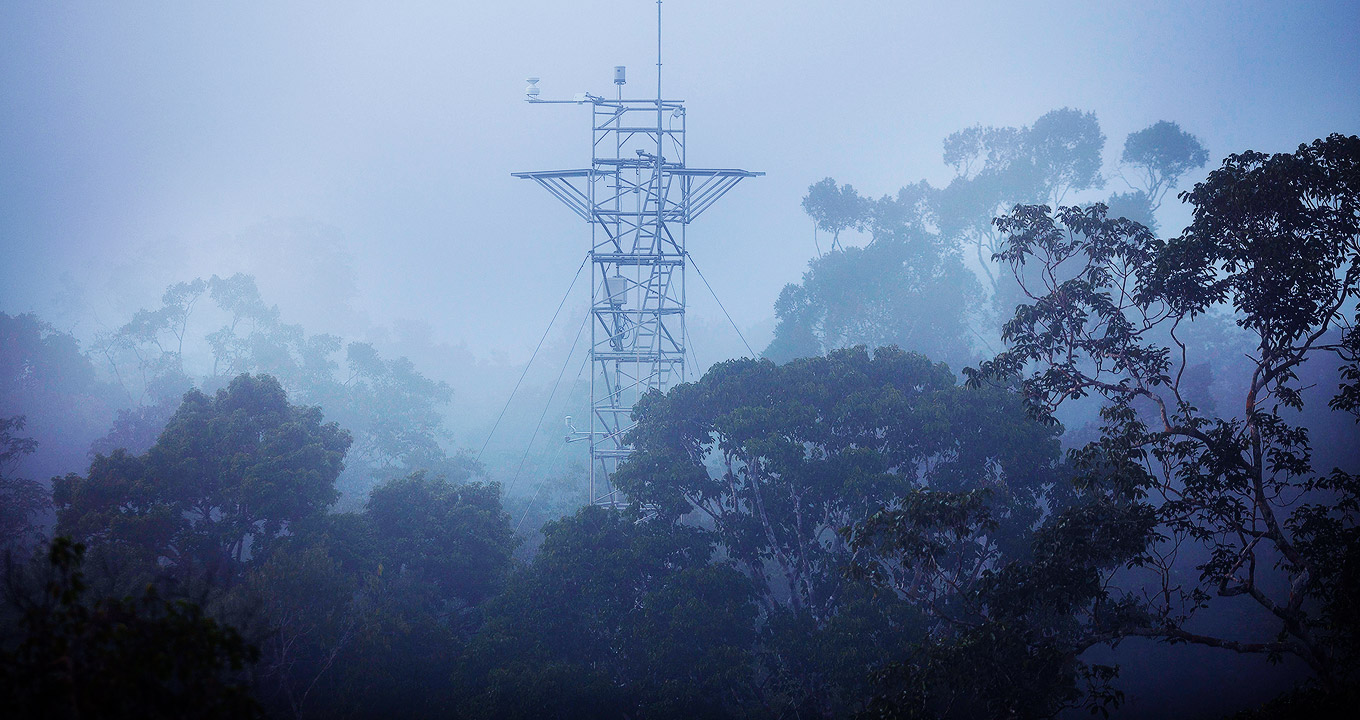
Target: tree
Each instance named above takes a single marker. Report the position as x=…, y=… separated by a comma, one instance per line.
x=616, y=618
x=452, y=538
x=1161, y=154
x=906, y=288
x=46, y=378
x=777, y=460
x=154, y=340
x=228, y=475
x=1275, y=239
x=835, y=208
x=366, y=614
x=1065, y=147
x=392, y=411
x=143, y=657
x=996, y=168
x=20, y=499
x=1008, y=630
x=307, y=611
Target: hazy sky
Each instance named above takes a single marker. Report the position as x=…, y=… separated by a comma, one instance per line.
x=142, y=143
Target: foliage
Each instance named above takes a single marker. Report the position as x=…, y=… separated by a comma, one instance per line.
x=1275, y=238
x=995, y=168
x=367, y=613
x=1009, y=644
x=229, y=474
x=391, y=410
x=302, y=607
x=906, y=288
x=46, y=378
x=452, y=538
x=903, y=289
x=778, y=459
x=1161, y=154
x=143, y=657
x=20, y=499
x=909, y=286
x=835, y=208
x=812, y=446
x=616, y=618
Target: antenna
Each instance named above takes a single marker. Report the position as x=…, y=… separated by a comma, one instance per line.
x=639, y=197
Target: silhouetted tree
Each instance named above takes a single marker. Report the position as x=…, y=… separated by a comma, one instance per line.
x=1276, y=240
x=835, y=208
x=21, y=499
x=1161, y=154
x=134, y=657
x=616, y=618
x=907, y=288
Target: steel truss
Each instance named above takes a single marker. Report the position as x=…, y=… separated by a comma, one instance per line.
x=638, y=197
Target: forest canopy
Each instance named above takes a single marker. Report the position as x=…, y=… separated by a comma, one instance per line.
x=989, y=452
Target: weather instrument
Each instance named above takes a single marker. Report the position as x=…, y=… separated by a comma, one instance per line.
x=638, y=197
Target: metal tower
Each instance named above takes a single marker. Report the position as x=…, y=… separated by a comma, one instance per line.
x=638, y=196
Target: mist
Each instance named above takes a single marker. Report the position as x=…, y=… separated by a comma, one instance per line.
x=194, y=198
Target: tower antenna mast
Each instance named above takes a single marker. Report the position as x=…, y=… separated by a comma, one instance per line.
x=638, y=197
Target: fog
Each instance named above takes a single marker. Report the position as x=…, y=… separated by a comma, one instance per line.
x=355, y=160
x=166, y=135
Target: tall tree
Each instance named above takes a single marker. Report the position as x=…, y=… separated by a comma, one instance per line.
x=21, y=499
x=834, y=208
x=393, y=412
x=453, y=538
x=1161, y=154
x=908, y=288
x=131, y=657
x=616, y=618
x=229, y=475
x=1275, y=239
x=778, y=459
x=46, y=378
x=996, y=168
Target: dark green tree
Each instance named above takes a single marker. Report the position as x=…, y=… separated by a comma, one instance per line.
x=779, y=459
x=453, y=538
x=21, y=500
x=616, y=618
x=1008, y=640
x=1276, y=241
x=133, y=657
x=227, y=476
x=366, y=614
